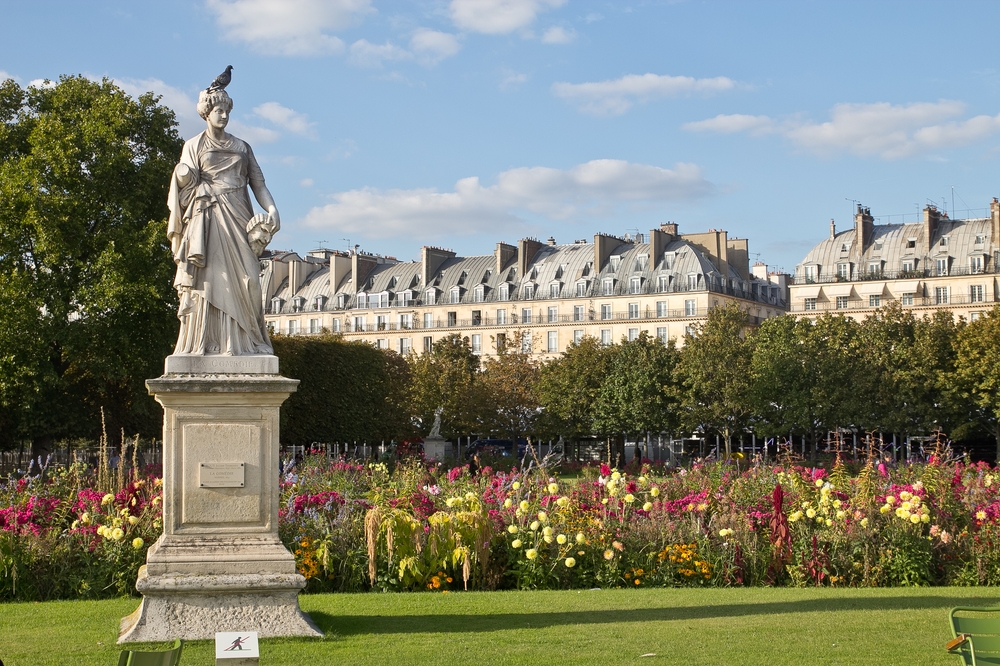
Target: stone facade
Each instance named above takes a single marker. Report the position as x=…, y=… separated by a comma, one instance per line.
x=612, y=288
x=937, y=264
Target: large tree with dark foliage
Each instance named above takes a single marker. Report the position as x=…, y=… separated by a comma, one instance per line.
x=87, y=311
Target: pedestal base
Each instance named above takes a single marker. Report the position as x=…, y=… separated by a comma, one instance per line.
x=436, y=448
x=195, y=607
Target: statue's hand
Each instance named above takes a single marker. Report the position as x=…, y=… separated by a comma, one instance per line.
x=273, y=219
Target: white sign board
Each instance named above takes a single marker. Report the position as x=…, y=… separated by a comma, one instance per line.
x=220, y=475
x=236, y=645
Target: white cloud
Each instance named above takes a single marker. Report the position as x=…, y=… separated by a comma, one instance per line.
x=431, y=46
x=42, y=83
x=558, y=35
x=498, y=17
x=889, y=131
x=307, y=182
x=728, y=124
x=252, y=134
x=288, y=27
x=183, y=105
x=366, y=54
x=511, y=79
x=6, y=75
x=288, y=119
x=614, y=97
x=586, y=189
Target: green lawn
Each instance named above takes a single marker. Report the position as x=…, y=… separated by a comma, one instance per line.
x=714, y=626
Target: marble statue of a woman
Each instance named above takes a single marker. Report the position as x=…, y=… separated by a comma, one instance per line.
x=216, y=238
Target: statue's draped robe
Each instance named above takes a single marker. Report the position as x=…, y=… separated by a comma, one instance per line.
x=217, y=277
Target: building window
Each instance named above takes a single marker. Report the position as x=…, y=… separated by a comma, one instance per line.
x=404, y=298
x=477, y=317
x=661, y=308
x=633, y=310
x=341, y=301
x=381, y=343
x=668, y=260
x=271, y=328
x=874, y=268
x=430, y=297
x=690, y=307
x=359, y=324
x=406, y=321
x=608, y=288
x=293, y=327
x=318, y=303
x=336, y=325
x=944, y=241
x=428, y=320
x=405, y=345
x=940, y=295
x=874, y=301
x=525, y=315
x=909, y=265
x=976, y=264
x=381, y=322
x=478, y=293
x=526, y=347
x=577, y=313
x=606, y=311
x=501, y=342
x=635, y=286
x=298, y=304
x=361, y=301
x=809, y=273
x=911, y=243
x=501, y=317
x=456, y=295
x=661, y=334
x=844, y=271
x=383, y=300
x=809, y=304
x=577, y=336
x=504, y=292
x=633, y=334
x=615, y=263
x=692, y=282
x=690, y=330
x=314, y=325
x=663, y=283
x=452, y=319
x=554, y=290
x=976, y=293
x=906, y=299
x=841, y=302
x=942, y=266
x=606, y=337
x=553, y=342
x=581, y=289
x=529, y=292
x=973, y=316
x=477, y=343
x=428, y=343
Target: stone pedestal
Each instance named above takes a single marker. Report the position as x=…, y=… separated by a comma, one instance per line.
x=219, y=565
x=436, y=448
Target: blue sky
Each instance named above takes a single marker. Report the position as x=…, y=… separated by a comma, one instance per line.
x=460, y=123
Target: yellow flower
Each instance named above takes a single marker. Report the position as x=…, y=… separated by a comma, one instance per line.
x=547, y=539
x=864, y=522
x=107, y=499
x=925, y=518
x=837, y=504
x=914, y=518
x=531, y=553
x=841, y=514
x=642, y=480
x=702, y=506
x=980, y=515
x=547, y=531
x=117, y=534
x=561, y=539
x=580, y=538
x=654, y=491
x=608, y=554
x=542, y=516
x=906, y=505
x=629, y=498
x=889, y=499
x=516, y=543
x=604, y=501
x=794, y=516
x=76, y=524
x=553, y=488
x=452, y=501
x=563, y=502
x=811, y=513
x=515, y=485
x=616, y=475
x=819, y=483
x=885, y=508
x=137, y=543
x=512, y=529
x=905, y=495
x=507, y=503
x=570, y=562
x=647, y=506
x=829, y=522
x=534, y=525
x=469, y=497
x=132, y=520
x=523, y=505
x=85, y=518
x=805, y=505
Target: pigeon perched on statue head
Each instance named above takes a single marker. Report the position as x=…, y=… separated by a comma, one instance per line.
x=221, y=81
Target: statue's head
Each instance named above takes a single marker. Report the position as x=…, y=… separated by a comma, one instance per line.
x=209, y=100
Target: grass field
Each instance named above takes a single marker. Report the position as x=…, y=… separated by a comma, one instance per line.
x=676, y=626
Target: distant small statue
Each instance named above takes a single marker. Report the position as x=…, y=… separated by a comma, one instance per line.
x=215, y=237
x=436, y=428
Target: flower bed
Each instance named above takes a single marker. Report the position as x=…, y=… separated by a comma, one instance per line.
x=354, y=528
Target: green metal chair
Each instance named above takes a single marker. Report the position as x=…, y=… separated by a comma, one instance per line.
x=976, y=634
x=170, y=657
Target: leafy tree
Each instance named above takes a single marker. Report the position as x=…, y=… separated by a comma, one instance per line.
x=568, y=387
x=638, y=394
x=349, y=391
x=977, y=367
x=510, y=387
x=446, y=377
x=87, y=308
x=715, y=371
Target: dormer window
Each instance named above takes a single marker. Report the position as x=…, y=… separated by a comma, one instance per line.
x=581, y=288
x=980, y=239
x=615, y=263
x=635, y=286
x=456, y=294
x=608, y=287
x=430, y=297
x=379, y=300
x=554, y=290
x=693, y=282
x=504, y=292
x=404, y=298
x=361, y=301
x=911, y=243
x=318, y=303
x=976, y=264
x=276, y=304
x=461, y=278
x=641, y=261
x=878, y=246
x=944, y=241
x=392, y=283
x=668, y=260
x=341, y=301
x=663, y=283
x=479, y=293
x=298, y=304
x=529, y=291
x=843, y=247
